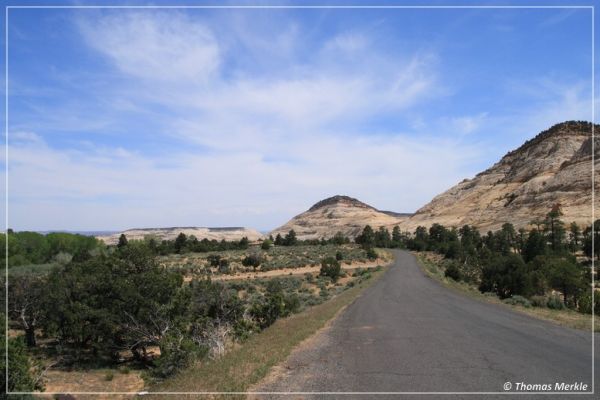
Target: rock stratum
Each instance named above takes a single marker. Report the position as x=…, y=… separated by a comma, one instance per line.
x=228, y=234
x=338, y=214
x=555, y=167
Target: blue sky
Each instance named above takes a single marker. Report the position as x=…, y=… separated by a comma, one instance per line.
x=235, y=117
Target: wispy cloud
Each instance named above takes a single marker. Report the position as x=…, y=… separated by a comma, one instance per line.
x=164, y=47
x=243, y=118
x=466, y=125
x=121, y=189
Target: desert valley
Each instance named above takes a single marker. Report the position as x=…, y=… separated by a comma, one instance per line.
x=277, y=200
x=553, y=168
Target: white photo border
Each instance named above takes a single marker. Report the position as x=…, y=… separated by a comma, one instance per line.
x=6, y=53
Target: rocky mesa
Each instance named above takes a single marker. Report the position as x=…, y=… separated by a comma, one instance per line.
x=338, y=214
x=228, y=234
x=555, y=167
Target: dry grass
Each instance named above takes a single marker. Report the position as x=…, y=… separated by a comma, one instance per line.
x=58, y=381
x=289, y=271
x=568, y=318
x=249, y=363
x=277, y=258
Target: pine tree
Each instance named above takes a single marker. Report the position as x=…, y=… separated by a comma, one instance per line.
x=122, y=241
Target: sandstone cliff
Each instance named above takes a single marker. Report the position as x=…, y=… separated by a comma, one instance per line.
x=338, y=214
x=555, y=167
x=228, y=234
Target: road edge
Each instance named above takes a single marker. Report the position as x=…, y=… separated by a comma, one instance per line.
x=472, y=293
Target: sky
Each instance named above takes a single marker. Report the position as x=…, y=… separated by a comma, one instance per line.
x=123, y=118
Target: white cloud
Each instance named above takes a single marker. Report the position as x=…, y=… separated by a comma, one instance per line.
x=25, y=137
x=166, y=47
x=303, y=116
x=468, y=124
x=171, y=47
x=552, y=100
x=346, y=43
x=110, y=188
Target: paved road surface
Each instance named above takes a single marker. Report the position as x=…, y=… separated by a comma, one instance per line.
x=407, y=333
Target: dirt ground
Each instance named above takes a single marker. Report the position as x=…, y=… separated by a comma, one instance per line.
x=288, y=271
x=57, y=381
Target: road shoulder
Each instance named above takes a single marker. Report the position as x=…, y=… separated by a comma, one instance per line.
x=565, y=318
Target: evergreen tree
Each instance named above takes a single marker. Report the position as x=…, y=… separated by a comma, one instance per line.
x=366, y=238
x=290, y=239
x=180, y=242
x=382, y=237
x=421, y=237
x=339, y=239
x=278, y=240
x=505, y=239
x=521, y=240
x=574, y=237
x=122, y=241
x=331, y=267
x=555, y=228
x=534, y=246
x=506, y=276
x=244, y=243
x=20, y=377
x=565, y=276
x=591, y=243
x=396, y=237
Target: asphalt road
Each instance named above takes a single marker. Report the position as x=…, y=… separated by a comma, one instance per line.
x=407, y=333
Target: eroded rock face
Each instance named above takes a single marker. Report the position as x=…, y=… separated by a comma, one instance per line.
x=555, y=167
x=338, y=214
x=228, y=234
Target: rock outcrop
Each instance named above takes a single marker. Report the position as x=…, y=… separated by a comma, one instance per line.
x=228, y=234
x=338, y=214
x=553, y=168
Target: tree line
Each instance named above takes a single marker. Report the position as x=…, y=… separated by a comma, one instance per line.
x=509, y=262
x=35, y=248
x=124, y=301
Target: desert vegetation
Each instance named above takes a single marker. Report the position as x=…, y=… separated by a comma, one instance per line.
x=547, y=266
x=152, y=308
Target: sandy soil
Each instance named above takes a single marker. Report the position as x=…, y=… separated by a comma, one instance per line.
x=58, y=381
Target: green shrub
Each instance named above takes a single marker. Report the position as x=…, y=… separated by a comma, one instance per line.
x=214, y=260
x=274, y=304
x=292, y=303
x=453, y=272
x=224, y=266
x=177, y=352
x=584, y=305
x=372, y=254
x=339, y=256
x=331, y=267
x=539, y=301
x=253, y=260
x=555, y=303
x=20, y=377
x=244, y=328
x=109, y=376
x=518, y=300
